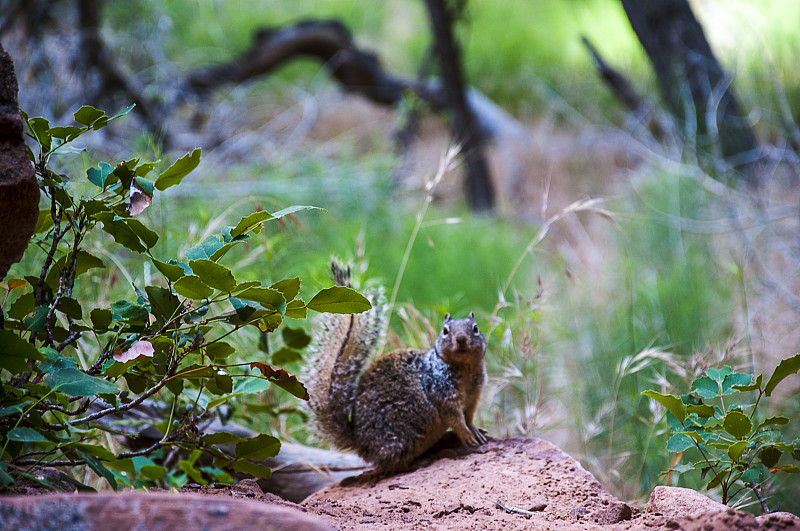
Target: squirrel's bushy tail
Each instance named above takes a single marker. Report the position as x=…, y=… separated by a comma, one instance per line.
x=342, y=346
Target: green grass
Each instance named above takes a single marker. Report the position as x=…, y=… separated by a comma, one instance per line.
x=661, y=287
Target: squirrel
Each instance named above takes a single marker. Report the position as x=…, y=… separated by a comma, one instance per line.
x=407, y=399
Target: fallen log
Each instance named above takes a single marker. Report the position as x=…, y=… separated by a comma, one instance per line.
x=297, y=471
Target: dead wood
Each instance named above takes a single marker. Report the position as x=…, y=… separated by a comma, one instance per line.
x=360, y=72
x=480, y=192
x=297, y=471
x=357, y=70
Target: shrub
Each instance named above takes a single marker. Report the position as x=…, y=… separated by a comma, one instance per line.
x=718, y=420
x=72, y=371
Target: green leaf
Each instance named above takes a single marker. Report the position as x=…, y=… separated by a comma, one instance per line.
x=153, y=472
x=673, y=404
x=40, y=128
x=243, y=313
x=26, y=435
x=99, y=176
x=219, y=350
x=142, y=170
x=248, y=222
x=339, y=299
x=171, y=272
x=122, y=233
x=145, y=235
x=251, y=386
x=752, y=475
x=246, y=467
x=11, y=410
x=54, y=361
x=215, y=275
x=75, y=382
x=754, y=387
x=96, y=465
x=95, y=450
x=736, y=450
x=296, y=309
x=785, y=368
x=292, y=209
x=71, y=307
x=193, y=288
x=36, y=322
x=719, y=375
x=241, y=286
x=83, y=263
x=44, y=222
x=737, y=424
x=222, y=384
x=6, y=479
x=769, y=455
x=93, y=206
x=221, y=437
x=735, y=379
x=125, y=172
x=145, y=185
x=284, y=356
x=123, y=112
x=295, y=337
x=88, y=115
x=290, y=287
x=129, y=312
x=192, y=472
x=772, y=421
x=180, y=169
x=680, y=442
x=15, y=352
x=67, y=133
x=205, y=249
x=163, y=303
x=259, y=447
x=701, y=410
x=706, y=387
x=266, y=297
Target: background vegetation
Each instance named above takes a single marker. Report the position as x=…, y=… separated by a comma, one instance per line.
x=672, y=274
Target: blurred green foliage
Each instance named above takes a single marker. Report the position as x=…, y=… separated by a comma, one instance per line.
x=523, y=54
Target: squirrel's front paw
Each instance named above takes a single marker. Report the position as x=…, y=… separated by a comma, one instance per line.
x=479, y=434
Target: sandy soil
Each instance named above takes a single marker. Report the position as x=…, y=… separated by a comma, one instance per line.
x=511, y=484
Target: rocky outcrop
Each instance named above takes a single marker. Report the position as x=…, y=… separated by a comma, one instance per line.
x=19, y=191
x=151, y=512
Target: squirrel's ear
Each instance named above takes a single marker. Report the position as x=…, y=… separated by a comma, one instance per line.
x=446, y=317
x=472, y=315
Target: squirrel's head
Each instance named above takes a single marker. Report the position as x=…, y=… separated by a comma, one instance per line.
x=460, y=339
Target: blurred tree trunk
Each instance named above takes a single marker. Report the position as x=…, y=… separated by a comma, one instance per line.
x=480, y=193
x=695, y=87
x=97, y=57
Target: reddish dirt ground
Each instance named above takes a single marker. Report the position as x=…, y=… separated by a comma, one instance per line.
x=511, y=484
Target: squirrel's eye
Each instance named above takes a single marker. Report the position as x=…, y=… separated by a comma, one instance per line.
x=445, y=330
x=475, y=330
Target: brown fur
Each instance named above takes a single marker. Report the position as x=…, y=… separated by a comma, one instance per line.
x=406, y=400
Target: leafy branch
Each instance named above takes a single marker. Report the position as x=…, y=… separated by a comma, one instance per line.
x=735, y=448
x=164, y=343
